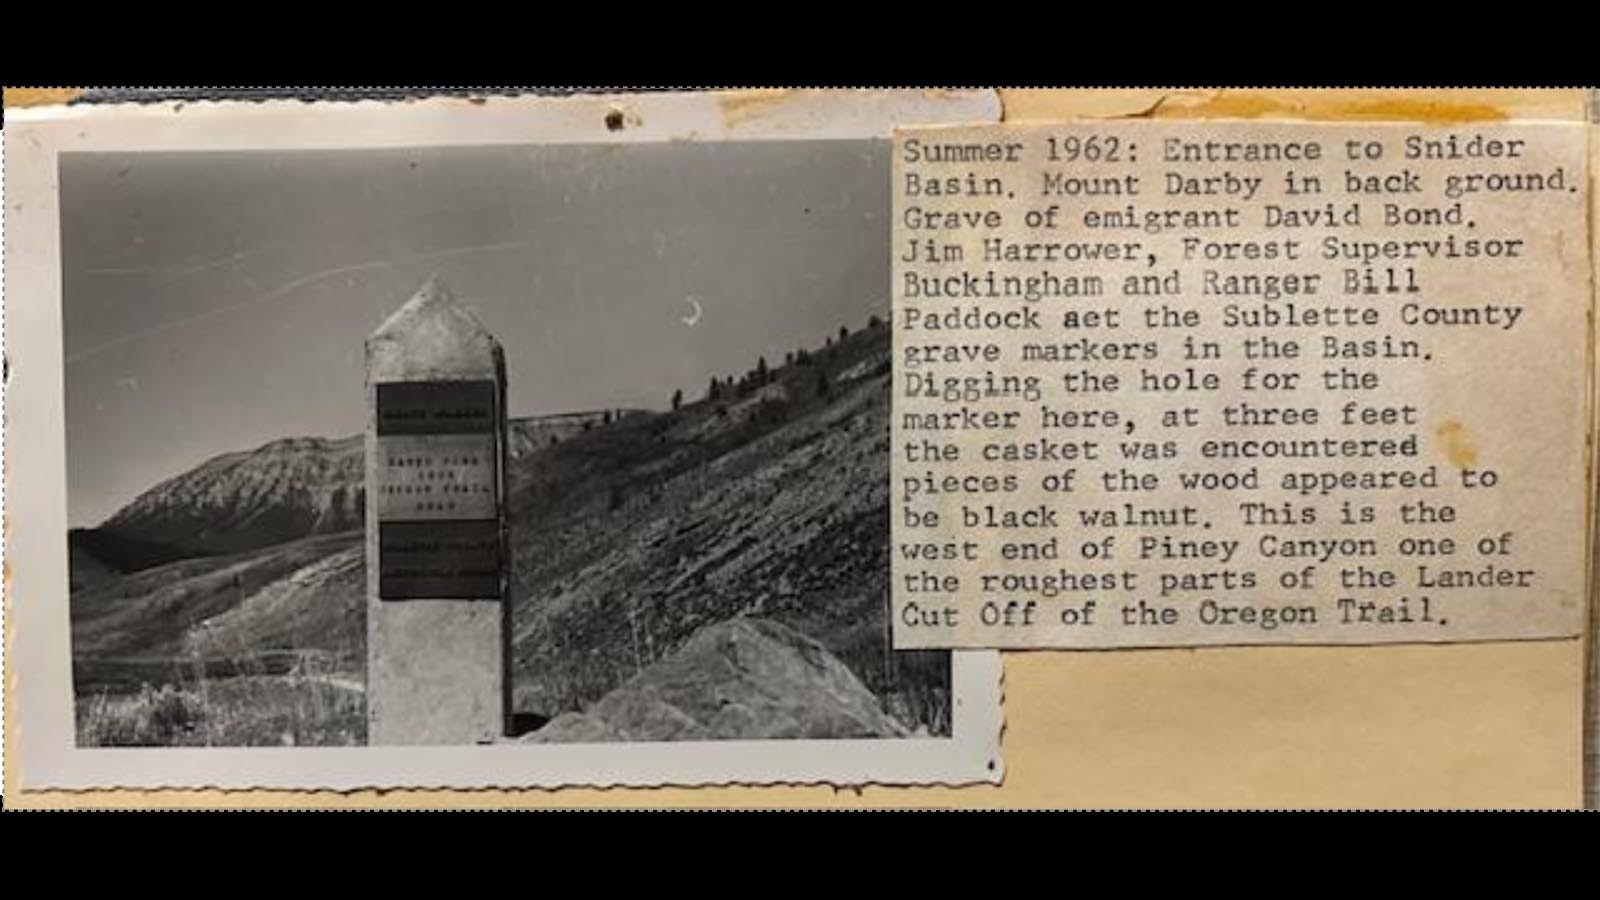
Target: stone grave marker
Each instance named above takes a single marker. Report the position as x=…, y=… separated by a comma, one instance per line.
x=438, y=621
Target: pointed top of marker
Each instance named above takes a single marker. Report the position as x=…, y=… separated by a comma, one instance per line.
x=433, y=335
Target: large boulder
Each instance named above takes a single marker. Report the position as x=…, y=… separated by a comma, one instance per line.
x=743, y=679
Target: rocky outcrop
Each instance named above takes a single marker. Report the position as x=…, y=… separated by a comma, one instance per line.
x=743, y=679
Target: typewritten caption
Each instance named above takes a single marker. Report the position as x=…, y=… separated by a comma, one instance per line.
x=1226, y=383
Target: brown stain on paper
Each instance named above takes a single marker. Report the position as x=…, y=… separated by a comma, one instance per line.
x=1457, y=443
x=739, y=107
x=1446, y=106
x=1237, y=105
x=19, y=97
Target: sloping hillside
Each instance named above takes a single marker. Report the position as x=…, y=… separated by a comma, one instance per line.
x=769, y=501
x=317, y=611
x=144, y=626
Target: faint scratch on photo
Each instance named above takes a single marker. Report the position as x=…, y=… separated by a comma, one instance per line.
x=285, y=290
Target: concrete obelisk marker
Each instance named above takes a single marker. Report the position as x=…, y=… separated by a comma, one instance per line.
x=437, y=616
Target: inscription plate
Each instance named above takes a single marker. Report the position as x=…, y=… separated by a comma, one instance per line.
x=440, y=559
x=437, y=491
x=436, y=407
x=436, y=476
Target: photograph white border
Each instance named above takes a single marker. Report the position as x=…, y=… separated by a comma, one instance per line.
x=40, y=731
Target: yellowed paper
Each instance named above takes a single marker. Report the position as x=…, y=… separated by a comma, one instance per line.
x=1472, y=725
x=1591, y=710
x=1165, y=385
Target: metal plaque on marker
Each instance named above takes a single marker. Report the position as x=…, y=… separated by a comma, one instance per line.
x=437, y=491
x=436, y=407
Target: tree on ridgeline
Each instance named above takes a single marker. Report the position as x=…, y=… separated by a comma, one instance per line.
x=677, y=399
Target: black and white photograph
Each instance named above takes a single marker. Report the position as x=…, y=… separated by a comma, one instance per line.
x=507, y=445
x=697, y=389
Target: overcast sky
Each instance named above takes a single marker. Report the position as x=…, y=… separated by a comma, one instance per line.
x=215, y=302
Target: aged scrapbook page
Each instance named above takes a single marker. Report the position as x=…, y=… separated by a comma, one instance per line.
x=831, y=448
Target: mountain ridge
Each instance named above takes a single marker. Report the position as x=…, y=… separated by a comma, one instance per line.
x=282, y=490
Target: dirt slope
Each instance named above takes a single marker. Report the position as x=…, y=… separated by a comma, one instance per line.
x=743, y=679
